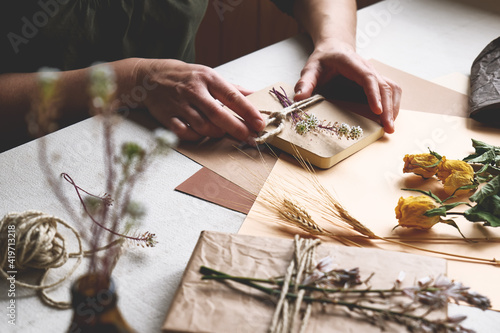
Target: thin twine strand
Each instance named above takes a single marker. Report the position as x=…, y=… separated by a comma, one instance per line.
x=287, y=312
x=278, y=117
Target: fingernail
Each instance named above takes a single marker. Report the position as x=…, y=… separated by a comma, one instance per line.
x=259, y=124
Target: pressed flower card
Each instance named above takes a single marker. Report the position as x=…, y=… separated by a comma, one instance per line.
x=323, y=131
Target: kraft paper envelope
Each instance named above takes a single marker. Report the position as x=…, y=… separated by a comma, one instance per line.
x=210, y=306
x=368, y=184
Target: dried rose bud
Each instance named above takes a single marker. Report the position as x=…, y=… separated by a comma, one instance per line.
x=424, y=165
x=455, y=174
x=447, y=167
x=410, y=212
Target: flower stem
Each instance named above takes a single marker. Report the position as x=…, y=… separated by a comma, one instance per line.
x=78, y=189
x=211, y=274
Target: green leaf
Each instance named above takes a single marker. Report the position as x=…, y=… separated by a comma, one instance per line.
x=480, y=216
x=478, y=145
x=453, y=224
x=436, y=155
x=491, y=188
x=487, y=211
x=485, y=153
x=487, y=157
x=428, y=193
x=441, y=211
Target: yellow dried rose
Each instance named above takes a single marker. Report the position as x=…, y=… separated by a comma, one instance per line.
x=447, y=167
x=410, y=212
x=456, y=180
x=424, y=165
x=455, y=174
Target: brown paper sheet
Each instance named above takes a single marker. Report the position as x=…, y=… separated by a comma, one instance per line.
x=418, y=94
x=368, y=184
x=210, y=306
x=210, y=186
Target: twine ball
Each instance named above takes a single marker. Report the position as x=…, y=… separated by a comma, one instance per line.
x=38, y=244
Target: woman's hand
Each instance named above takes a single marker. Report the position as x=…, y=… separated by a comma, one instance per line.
x=188, y=99
x=332, y=58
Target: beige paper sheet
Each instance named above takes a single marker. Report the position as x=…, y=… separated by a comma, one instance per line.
x=368, y=184
x=209, y=306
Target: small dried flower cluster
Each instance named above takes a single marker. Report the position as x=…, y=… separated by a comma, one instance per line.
x=305, y=122
x=324, y=274
x=148, y=239
x=437, y=293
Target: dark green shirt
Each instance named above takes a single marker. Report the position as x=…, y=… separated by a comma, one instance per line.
x=71, y=34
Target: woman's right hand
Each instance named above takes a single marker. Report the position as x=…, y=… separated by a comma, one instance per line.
x=188, y=99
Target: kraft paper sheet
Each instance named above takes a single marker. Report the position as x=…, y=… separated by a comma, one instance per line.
x=209, y=186
x=368, y=184
x=210, y=306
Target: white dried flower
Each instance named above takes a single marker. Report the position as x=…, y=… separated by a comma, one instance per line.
x=47, y=78
x=326, y=264
x=355, y=133
x=344, y=130
x=102, y=84
x=401, y=277
x=47, y=75
x=165, y=138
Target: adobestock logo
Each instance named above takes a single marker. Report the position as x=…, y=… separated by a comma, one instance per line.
x=30, y=26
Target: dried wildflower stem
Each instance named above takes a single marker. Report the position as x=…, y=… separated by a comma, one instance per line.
x=211, y=274
x=112, y=231
x=278, y=117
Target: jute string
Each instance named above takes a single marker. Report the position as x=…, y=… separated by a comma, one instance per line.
x=39, y=245
x=278, y=118
x=287, y=312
